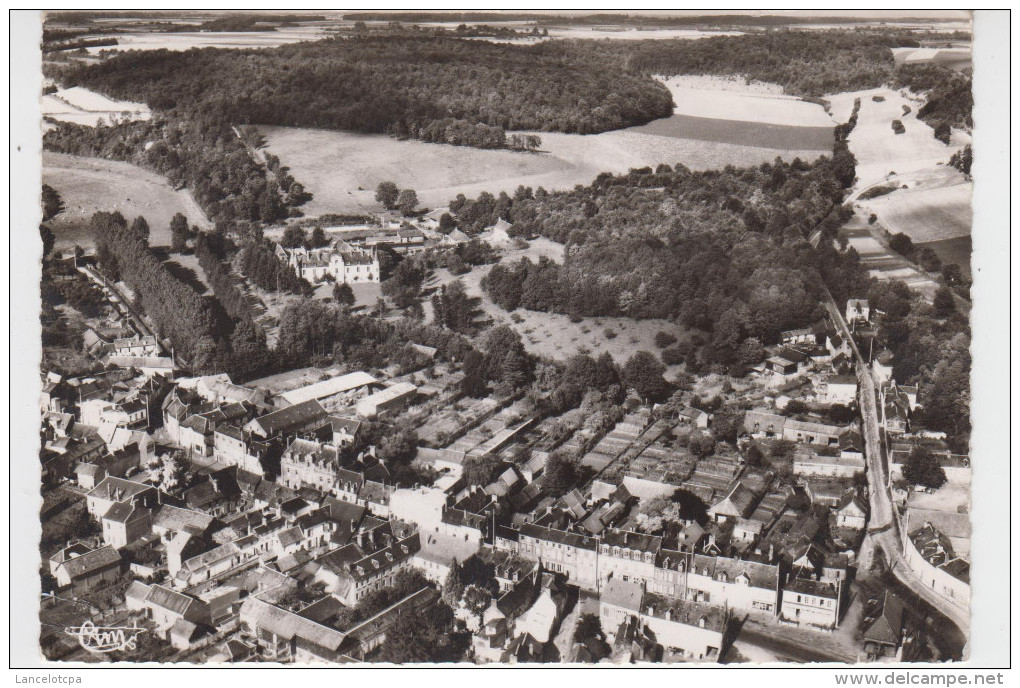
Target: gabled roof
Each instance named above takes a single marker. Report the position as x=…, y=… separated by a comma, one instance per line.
x=184, y=520
x=90, y=562
x=171, y=600
x=291, y=417
x=327, y=388
x=288, y=625
x=118, y=489
x=737, y=503
x=122, y=512
x=887, y=628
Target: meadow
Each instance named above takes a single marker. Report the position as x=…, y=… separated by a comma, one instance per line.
x=82, y=106
x=342, y=169
x=716, y=122
x=88, y=185
x=879, y=150
x=926, y=214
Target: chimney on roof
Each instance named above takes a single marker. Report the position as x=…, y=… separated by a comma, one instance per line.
x=772, y=551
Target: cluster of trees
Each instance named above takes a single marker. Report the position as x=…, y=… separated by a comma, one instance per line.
x=724, y=252
x=404, y=284
x=454, y=309
x=295, y=236
x=950, y=96
x=257, y=261
x=247, y=339
x=76, y=290
x=200, y=152
x=923, y=256
x=922, y=468
x=317, y=332
x=963, y=159
x=503, y=363
x=393, y=197
x=433, y=635
x=398, y=84
x=52, y=203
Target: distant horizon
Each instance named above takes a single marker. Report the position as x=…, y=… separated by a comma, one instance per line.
x=887, y=15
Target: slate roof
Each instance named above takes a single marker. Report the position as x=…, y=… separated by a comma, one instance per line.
x=562, y=537
x=171, y=600
x=91, y=562
x=291, y=417
x=887, y=627
x=288, y=625
x=175, y=518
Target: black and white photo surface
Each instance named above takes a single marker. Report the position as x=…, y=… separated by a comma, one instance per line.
x=496, y=337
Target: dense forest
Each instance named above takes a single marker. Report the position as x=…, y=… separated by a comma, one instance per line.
x=395, y=84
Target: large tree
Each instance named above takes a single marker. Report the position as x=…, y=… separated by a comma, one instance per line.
x=431, y=635
x=178, y=233
x=343, y=294
x=922, y=468
x=562, y=473
x=643, y=372
x=51, y=202
x=141, y=228
x=407, y=202
x=387, y=194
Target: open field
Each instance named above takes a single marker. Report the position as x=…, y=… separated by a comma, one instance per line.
x=732, y=98
x=87, y=185
x=926, y=214
x=731, y=131
x=880, y=151
x=717, y=122
x=211, y=39
x=342, y=169
x=954, y=58
x=881, y=262
x=82, y=106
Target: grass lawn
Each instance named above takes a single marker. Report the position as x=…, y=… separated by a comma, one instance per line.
x=88, y=185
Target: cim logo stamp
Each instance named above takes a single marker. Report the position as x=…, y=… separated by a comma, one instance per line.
x=105, y=639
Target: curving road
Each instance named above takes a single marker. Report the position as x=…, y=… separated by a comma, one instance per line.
x=883, y=523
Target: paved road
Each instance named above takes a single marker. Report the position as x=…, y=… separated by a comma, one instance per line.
x=136, y=318
x=883, y=523
x=786, y=649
